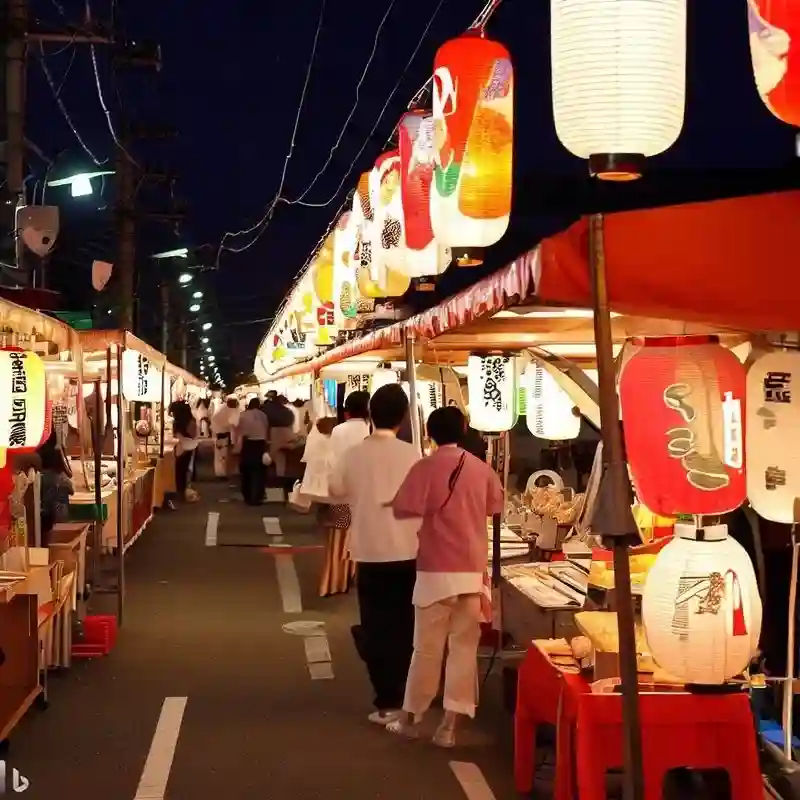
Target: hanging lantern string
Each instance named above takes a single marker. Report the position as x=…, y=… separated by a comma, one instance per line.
x=418, y=100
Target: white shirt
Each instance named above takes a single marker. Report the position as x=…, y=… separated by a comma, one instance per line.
x=225, y=420
x=346, y=435
x=367, y=477
x=253, y=425
x=431, y=587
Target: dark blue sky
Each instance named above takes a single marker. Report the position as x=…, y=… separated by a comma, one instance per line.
x=233, y=73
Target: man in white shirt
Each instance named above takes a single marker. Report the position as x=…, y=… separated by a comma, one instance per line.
x=355, y=427
x=367, y=477
x=253, y=433
x=223, y=425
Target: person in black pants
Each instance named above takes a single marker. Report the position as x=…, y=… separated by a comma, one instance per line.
x=253, y=432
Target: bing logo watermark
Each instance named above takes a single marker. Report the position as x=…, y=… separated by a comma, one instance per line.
x=12, y=780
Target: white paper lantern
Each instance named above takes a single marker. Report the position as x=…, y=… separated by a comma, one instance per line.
x=356, y=383
x=23, y=399
x=701, y=608
x=548, y=408
x=492, y=391
x=382, y=377
x=619, y=80
x=141, y=381
x=772, y=444
x=430, y=397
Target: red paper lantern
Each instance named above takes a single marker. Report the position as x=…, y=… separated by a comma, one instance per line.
x=774, y=27
x=683, y=416
x=424, y=257
x=473, y=112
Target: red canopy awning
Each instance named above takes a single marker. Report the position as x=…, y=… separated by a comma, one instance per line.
x=734, y=263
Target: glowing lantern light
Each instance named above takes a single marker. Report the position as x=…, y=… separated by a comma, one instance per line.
x=356, y=383
x=323, y=282
x=344, y=245
x=774, y=27
x=390, y=240
x=773, y=435
x=701, y=607
x=492, y=393
x=619, y=80
x=141, y=381
x=382, y=377
x=548, y=408
x=430, y=396
x=683, y=407
x=394, y=283
x=23, y=402
x=424, y=257
x=473, y=112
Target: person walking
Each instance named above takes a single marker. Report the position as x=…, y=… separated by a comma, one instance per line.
x=223, y=425
x=253, y=433
x=452, y=492
x=383, y=548
x=184, y=426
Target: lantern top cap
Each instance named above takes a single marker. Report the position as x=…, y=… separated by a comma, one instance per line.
x=708, y=533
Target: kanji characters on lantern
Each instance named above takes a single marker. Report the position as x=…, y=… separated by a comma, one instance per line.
x=23, y=400
x=492, y=391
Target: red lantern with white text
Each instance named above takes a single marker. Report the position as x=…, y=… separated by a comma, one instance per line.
x=424, y=257
x=774, y=27
x=683, y=410
x=473, y=113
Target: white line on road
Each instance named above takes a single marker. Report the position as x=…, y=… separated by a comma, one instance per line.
x=471, y=778
x=288, y=583
x=318, y=657
x=272, y=527
x=212, y=523
x=153, y=783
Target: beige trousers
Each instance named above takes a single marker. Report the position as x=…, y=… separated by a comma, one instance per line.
x=454, y=621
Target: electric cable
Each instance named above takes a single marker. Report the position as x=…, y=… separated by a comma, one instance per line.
x=260, y=226
x=347, y=121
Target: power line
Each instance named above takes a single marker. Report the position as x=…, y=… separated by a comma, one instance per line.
x=260, y=226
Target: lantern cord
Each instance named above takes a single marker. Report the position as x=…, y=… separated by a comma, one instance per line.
x=262, y=224
x=355, y=104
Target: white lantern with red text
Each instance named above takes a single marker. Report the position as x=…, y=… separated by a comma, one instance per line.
x=23, y=401
x=548, y=408
x=701, y=607
x=492, y=392
x=619, y=80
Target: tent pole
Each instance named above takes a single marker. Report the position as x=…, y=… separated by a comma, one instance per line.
x=411, y=377
x=616, y=522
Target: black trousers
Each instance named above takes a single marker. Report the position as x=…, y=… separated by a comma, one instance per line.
x=385, y=638
x=183, y=466
x=252, y=471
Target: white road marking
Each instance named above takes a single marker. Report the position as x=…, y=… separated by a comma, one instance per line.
x=275, y=495
x=212, y=523
x=272, y=527
x=288, y=583
x=471, y=778
x=155, y=775
x=318, y=657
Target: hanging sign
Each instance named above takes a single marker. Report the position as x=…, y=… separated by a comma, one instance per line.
x=141, y=381
x=492, y=388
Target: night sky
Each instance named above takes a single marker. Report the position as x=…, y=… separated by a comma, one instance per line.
x=231, y=80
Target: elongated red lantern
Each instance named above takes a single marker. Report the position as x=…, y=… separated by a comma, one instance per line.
x=683, y=415
x=473, y=113
x=424, y=257
x=774, y=27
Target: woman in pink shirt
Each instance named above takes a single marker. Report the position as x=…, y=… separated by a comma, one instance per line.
x=453, y=493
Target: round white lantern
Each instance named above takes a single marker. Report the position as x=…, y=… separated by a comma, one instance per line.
x=141, y=381
x=772, y=443
x=492, y=392
x=430, y=396
x=701, y=608
x=382, y=377
x=548, y=408
x=619, y=80
x=23, y=400
x=356, y=383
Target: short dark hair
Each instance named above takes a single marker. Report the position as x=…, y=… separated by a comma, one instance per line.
x=388, y=407
x=446, y=425
x=357, y=405
x=254, y=403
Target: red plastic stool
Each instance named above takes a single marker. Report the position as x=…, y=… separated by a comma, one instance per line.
x=678, y=730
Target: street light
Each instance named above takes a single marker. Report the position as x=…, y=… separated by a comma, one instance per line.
x=204, y=340
x=206, y=326
x=81, y=184
x=211, y=359
x=198, y=295
x=194, y=308
x=180, y=252
x=184, y=278
x=209, y=350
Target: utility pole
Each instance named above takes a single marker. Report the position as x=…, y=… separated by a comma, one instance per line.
x=164, y=316
x=126, y=232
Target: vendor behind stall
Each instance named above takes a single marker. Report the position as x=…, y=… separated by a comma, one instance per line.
x=56, y=485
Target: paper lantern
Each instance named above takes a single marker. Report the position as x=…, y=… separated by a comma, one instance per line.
x=23, y=402
x=429, y=397
x=473, y=113
x=382, y=377
x=619, y=80
x=390, y=283
x=389, y=241
x=548, y=408
x=344, y=266
x=773, y=435
x=683, y=406
x=701, y=608
x=141, y=381
x=356, y=383
x=774, y=27
x=492, y=392
x=424, y=256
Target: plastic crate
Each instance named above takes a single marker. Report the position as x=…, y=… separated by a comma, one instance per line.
x=99, y=637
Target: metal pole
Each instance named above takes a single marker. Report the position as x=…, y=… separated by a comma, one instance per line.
x=162, y=419
x=15, y=57
x=617, y=514
x=184, y=346
x=164, y=317
x=97, y=459
x=788, y=686
x=126, y=255
x=411, y=377
x=120, y=493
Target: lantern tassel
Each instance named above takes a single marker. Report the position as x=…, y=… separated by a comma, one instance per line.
x=739, y=625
